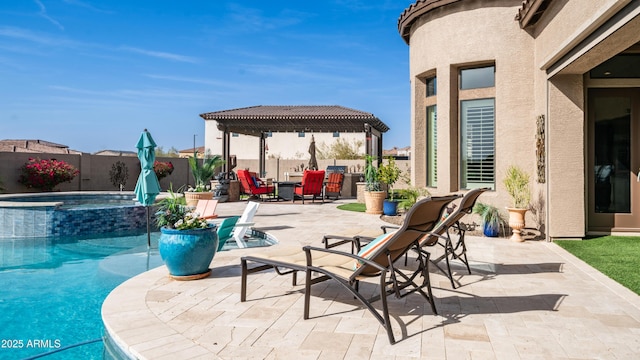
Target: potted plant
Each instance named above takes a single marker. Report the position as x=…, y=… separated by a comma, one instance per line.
x=389, y=174
x=202, y=172
x=408, y=197
x=516, y=181
x=491, y=218
x=373, y=194
x=187, y=243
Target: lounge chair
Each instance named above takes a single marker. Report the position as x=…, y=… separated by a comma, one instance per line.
x=375, y=260
x=244, y=223
x=311, y=185
x=254, y=186
x=442, y=234
x=207, y=209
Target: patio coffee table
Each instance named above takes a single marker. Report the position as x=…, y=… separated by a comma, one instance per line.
x=285, y=189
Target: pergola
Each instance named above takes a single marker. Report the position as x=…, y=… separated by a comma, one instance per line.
x=262, y=120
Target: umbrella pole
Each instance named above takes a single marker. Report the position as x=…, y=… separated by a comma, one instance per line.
x=148, y=230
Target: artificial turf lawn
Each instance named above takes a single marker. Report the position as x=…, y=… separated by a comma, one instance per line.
x=618, y=257
x=353, y=207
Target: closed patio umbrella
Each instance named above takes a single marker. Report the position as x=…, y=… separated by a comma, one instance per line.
x=147, y=187
x=313, y=163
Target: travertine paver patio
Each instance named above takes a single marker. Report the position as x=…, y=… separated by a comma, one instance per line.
x=523, y=301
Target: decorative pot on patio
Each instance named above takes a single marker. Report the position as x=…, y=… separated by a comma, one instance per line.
x=188, y=253
x=192, y=197
x=516, y=222
x=390, y=207
x=374, y=201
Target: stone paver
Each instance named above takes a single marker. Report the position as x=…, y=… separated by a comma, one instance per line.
x=523, y=300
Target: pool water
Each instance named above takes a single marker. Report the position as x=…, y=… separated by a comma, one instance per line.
x=52, y=291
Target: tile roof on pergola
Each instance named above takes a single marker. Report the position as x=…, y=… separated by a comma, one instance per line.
x=260, y=120
x=256, y=120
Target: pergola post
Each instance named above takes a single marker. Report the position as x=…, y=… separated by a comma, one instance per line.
x=262, y=151
x=370, y=132
x=226, y=151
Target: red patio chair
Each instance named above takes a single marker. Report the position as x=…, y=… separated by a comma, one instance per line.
x=253, y=186
x=311, y=185
x=333, y=185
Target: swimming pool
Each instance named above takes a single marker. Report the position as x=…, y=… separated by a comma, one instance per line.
x=62, y=214
x=53, y=289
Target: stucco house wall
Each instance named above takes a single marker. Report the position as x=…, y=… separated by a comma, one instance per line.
x=458, y=36
x=541, y=70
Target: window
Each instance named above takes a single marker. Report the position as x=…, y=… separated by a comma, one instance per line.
x=432, y=146
x=336, y=134
x=476, y=78
x=432, y=86
x=269, y=134
x=477, y=122
x=235, y=134
x=301, y=134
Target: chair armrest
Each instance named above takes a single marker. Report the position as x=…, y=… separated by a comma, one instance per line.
x=245, y=224
x=386, y=227
x=309, y=249
x=353, y=240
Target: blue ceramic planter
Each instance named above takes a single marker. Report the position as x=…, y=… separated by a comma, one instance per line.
x=490, y=230
x=390, y=208
x=188, y=253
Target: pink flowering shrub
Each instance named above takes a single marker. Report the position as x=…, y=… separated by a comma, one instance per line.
x=46, y=174
x=162, y=169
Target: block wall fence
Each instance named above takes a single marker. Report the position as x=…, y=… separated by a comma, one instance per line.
x=94, y=170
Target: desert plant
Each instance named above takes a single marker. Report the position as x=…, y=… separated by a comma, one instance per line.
x=204, y=170
x=340, y=149
x=173, y=213
x=46, y=174
x=389, y=174
x=516, y=182
x=410, y=196
x=490, y=215
x=119, y=174
x=371, y=175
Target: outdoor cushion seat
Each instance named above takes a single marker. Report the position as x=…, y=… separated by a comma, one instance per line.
x=333, y=185
x=253, y=186
x=311, y=185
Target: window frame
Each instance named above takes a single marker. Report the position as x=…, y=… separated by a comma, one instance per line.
x=481, y=93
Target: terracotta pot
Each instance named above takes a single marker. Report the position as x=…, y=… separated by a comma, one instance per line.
x=374, y=201
x=517, y=223
x=193, y=197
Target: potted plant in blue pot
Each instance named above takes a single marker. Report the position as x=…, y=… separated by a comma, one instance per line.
x=187, y=243
x=389, y=174
x=491, y=219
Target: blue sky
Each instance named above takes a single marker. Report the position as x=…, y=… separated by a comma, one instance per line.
x=92, y=74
